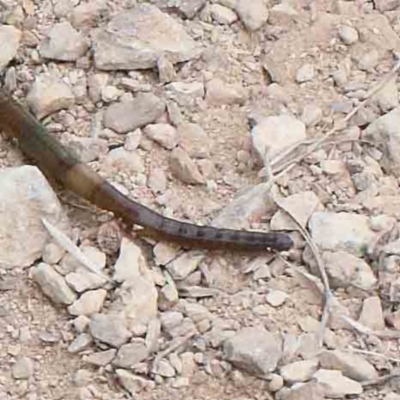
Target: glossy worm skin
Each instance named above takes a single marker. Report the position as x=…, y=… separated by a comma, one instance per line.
x=61, y=165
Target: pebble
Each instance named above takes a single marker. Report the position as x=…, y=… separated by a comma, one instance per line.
x=372, y=314
x=81, y=323
x=185, y=94
x=194, y=140
x=157, y=180
x=49, y=94
x=80, y=343
x=164, y=368
x=301, y=205
x=109, y=329
x=311, y=115
x=23, y=368
x=64, y=43
x=351, y=365
x=337, y=385
x=164, y=134
x=348, y=34
x=126, y=116
x=131, y=354
x=299, y=371
x=341, y=231
x=344, y=270
x=275, y=382
x=277, y=133
x=254, y=350
x=182, y=266
x=253, y=14
x=219, y=93
x=184, y=168
x=101, y=358
x=276, y=298
x=133, y=383
x=10, y=36
x=222, y=15
x=89, y=303
x=53, y=284
x=305, y=73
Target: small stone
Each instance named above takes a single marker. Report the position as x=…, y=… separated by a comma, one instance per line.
x=254, y=14
x=52, y=253
x=351, y=365
x=386, y=98
x=88, y=14
x=49, y=95
x=102, y=358
x=23, y=368
x=367, y=61
x=133, y=139
x=193, y=139
x=307, y=391
x=341, y=231
x=164, y=368
x=188, y=364
x=84, y=280
x=109, y=329
x=301, y=205
x=120, y=159
x=170, y=320
x=305, y=73
x=344, y=270
x=276, y=298
x=166, y=70
x=110, y=93
x=311, y=115
x=276, y=382
x=133, y=383
x=165, y=135
x=222, y=15
x=53, y=284
x=299, y=371
x=81, y=323
x=219, y=93
x=168, y=296
x=127, y=116
x=337, y=385
x=348, y=34
x=91, y=302
x=371, y=314
x=157, y=180
x=80, y=343
x=275, y=134
x=137, y=296
x=184, y=168
x=185, y=264
x=10, y=38
x=131, y=354
x=64, y=43
x=185, y=94
x=255, y=350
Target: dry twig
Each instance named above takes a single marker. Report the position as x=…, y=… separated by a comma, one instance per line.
x=65, y=242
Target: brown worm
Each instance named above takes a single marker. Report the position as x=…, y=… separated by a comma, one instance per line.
x=61, y=165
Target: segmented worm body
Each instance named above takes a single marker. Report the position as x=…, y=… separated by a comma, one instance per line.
x=60, y=164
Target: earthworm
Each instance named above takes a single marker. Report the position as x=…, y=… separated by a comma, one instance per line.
x=60, y=164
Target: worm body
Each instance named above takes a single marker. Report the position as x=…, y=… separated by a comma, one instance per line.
x=61, y=165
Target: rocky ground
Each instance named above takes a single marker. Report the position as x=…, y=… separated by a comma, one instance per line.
x=279, y=115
